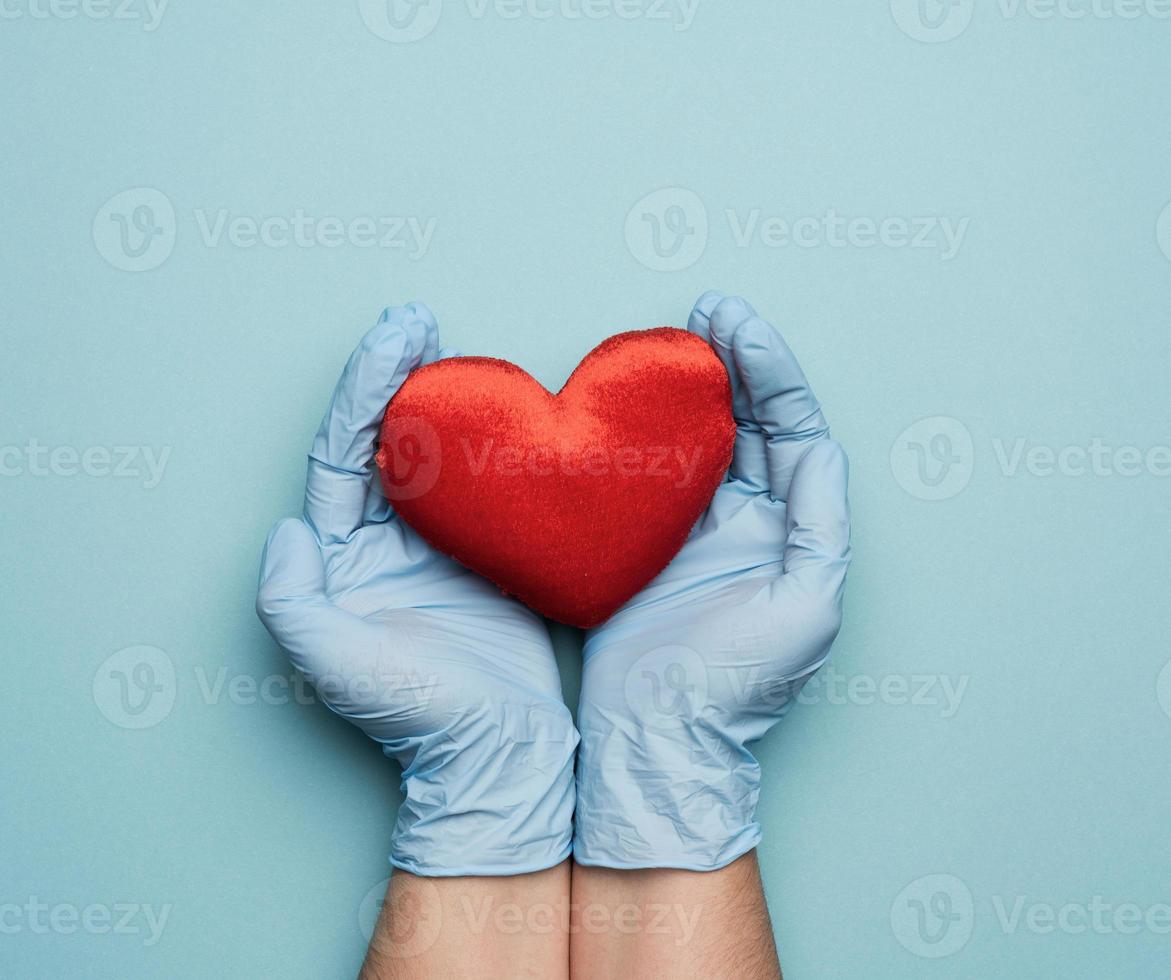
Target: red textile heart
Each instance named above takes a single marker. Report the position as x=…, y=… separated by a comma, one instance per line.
x=570, y=502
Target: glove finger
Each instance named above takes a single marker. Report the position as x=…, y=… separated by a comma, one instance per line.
x=779, y=399
x=817, y=544
x=291, y=601
x=378, y=509
x=748, y=456
x=699, y=323
x=339, y=464
x=807, y=598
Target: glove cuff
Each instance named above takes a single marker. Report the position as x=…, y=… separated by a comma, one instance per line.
x=648, y=801
x=491, y=794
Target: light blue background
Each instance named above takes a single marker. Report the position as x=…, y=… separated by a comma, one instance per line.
x=529, y=141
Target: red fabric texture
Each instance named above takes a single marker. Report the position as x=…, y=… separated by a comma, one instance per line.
x=569, y=502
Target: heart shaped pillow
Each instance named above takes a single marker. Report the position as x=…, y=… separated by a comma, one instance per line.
x=570, y=502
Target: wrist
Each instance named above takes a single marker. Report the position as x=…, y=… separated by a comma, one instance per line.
x=672, y=923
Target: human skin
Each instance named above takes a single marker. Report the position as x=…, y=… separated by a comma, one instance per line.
x=507, y=927
x=665, y=923
x=655, y=923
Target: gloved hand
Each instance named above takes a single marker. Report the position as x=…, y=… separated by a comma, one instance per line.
x=709, y=656
x=455, y=681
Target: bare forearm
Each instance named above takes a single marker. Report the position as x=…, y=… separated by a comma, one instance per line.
x=504, y=927
x=664, y=923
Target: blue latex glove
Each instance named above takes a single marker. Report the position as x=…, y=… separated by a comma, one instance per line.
x=709, y=656
x=455, y=681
